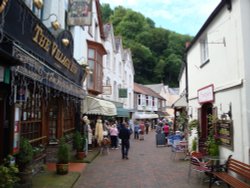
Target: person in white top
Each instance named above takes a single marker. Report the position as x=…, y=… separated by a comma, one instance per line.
x=89, y=131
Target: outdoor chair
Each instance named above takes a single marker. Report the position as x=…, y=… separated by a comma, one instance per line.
x=179, y=147
x=199, y=167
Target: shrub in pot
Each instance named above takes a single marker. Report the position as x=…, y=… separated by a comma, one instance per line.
x=79, y=143
x=8, y=173
x=63, y=156
x=24, y=159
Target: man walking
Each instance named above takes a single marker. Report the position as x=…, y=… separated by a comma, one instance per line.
x=124, y=135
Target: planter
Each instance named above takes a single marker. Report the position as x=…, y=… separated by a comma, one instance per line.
x=80, y=155
x=62, y=169
x=26, y=177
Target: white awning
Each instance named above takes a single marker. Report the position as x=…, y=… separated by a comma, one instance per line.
x=145, y=115
x=96, y=106
x=181, y=102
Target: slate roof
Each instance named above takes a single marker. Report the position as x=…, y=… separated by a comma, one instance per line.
x=139, y=88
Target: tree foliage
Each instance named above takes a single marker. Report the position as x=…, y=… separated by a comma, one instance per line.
x=157, y=52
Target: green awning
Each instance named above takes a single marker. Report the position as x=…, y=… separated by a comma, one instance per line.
x=122, y=112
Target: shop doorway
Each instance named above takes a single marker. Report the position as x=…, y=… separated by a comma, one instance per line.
x=205, y=111
x=5, y=128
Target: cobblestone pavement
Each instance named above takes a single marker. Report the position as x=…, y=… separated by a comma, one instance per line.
x=148, y=166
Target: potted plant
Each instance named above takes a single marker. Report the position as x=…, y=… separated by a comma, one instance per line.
x=8, y=173
x=79, y=142
x=62, y=165
x=212, y=142
x=212, y=146
x=24, y=158
x=194, y=144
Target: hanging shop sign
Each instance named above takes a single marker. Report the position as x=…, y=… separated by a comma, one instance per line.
x=24, y=28
x=225, y=133
x=80, y=12
x=123, y=93
x=206, y=94
x=36, y=70
x=107, y=90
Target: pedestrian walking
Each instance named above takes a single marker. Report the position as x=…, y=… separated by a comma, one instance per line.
x=158, y=129
x=166, y=131
x=113, y=135
x=146, y=126
x=136, y=130
x=142, y=130
x=124, y=135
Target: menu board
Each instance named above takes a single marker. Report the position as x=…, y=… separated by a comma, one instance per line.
x=225, y=133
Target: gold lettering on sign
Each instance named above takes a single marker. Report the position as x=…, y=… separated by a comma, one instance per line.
x=41, y=39
x=3, y=5
x=46, y=44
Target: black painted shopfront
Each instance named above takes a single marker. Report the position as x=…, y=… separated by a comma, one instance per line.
x=40, y=83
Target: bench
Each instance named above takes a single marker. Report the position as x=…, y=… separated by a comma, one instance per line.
x=235, y=174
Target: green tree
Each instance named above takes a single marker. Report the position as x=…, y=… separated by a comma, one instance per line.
x=143, y=63
x=157, y=52
x=106, y=12
x=172, y=69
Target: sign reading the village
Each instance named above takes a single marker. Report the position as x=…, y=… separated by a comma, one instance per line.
x=28, y=32
x=49, y=46
x=225, y=133
x=206, y=94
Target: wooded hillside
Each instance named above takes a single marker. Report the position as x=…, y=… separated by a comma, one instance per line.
x=157, y=52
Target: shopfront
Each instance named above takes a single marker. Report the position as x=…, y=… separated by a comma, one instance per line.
x=205, y=114
x=44, y=92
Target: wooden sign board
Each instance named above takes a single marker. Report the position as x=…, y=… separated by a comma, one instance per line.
x=225, y=133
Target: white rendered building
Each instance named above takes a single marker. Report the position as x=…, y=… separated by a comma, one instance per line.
x=118, y=71
x=219, y=79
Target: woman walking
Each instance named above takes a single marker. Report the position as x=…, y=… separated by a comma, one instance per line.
x=113, y=135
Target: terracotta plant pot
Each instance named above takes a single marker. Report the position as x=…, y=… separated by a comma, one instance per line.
x=80, y=155
x=62, y=169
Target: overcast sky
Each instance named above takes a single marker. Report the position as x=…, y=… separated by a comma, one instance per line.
x=181, y=16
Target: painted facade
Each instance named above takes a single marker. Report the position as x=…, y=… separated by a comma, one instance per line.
x=218, y=80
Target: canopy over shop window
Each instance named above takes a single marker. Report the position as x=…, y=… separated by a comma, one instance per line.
x=96, y=106
x=181, y=102
x=145, y=115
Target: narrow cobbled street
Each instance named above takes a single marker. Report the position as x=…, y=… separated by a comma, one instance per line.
x=148, y=166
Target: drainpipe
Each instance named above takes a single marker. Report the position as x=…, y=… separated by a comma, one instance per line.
x=186, y=75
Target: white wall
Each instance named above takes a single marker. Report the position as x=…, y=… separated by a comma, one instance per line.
x=244, y=8
x=227, y=71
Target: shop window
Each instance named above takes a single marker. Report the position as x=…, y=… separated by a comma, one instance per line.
x=31, y=124
x=69, y=127
x=53, y=112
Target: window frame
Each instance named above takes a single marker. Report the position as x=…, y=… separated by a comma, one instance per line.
x=204, y=50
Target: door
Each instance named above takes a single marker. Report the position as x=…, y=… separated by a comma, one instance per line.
x=205, y=111
x=5, y=128
x=53, y=121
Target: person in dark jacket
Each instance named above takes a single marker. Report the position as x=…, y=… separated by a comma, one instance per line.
x=124, y=135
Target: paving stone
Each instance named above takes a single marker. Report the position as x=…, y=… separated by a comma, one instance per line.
x=148, y=167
